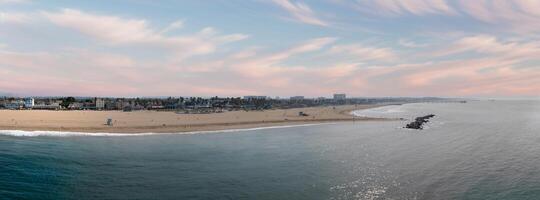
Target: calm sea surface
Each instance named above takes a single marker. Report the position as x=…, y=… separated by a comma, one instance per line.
x=477, y=150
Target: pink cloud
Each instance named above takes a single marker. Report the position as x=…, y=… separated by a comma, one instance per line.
x=416, y=7
x=119, y=31
x=300, y=12
x=14, y=17
x=495, y=66
x=517, y=16
x=364, y=53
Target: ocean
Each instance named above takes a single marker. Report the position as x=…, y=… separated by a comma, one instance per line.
x=474, y=150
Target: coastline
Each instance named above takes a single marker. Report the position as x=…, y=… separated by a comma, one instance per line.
x=171, y=122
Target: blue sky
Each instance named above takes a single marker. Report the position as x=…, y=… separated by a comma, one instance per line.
x=271, y=47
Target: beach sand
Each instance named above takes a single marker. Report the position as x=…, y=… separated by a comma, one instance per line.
x=166, y=121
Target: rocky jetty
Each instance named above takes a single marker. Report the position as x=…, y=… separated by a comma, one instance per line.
x=419, y=122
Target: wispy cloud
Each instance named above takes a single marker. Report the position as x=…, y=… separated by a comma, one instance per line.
x=14, y=17
x=473, y=48
x=301, y=12
x=491, y=46
x=411, y=44
x=13, y=1
x=119, y=31
x=268, y=65
x=520, y=15
x=399, y=7
x=173, y=26
x=309, y=46
x=473, y=77
x=364, y=53
x=259, y=73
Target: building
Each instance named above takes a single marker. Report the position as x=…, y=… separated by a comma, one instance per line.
x=110, y=105
x=254, y=97
x=340, y=97
x=52, y=106
x=29, y=103
x=320, y=99
x=297, y=98
x=119, y=105
x=100, y=103
x=47, y=107
x=75, y=106
x=14, y=106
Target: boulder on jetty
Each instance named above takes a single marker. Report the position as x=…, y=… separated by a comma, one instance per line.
x=419, y=122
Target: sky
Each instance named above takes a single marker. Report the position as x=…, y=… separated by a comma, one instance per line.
x=447, y=48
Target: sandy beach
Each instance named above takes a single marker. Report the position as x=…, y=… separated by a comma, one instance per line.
x=154, y=121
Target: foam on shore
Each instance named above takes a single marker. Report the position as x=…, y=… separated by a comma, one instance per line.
x=383, y=111
x=20, y=133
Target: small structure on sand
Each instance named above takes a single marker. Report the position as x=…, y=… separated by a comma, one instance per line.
x=302, y=114
x=109, y=122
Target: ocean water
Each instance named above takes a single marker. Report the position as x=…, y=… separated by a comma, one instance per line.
x=476, y=150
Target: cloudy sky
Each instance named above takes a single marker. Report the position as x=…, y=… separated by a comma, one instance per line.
x=462, y=48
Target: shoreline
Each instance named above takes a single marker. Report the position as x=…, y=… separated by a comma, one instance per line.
x=170, y=122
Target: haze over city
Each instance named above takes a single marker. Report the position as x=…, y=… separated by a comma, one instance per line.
x=456, y=48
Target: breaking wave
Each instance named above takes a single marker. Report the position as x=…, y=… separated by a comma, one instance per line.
x=384, y=111
x=20, y=133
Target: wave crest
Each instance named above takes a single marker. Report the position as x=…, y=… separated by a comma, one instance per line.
x=20, y=133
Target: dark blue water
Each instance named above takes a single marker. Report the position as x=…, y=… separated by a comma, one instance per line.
x=478, y=150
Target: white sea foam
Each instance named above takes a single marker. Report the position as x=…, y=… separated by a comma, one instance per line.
x=21, y=133
x=384, y=111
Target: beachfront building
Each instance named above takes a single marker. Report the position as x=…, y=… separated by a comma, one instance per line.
x=75, y=106
x=320, y=100
x=51, y=106
x=340, y=97
x=110, y=105
x=100, y=104
x=14, y=105
x=29, y=103
x=297, y=98
x=254, y=98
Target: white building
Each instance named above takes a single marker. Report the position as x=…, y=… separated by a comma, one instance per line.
x=29, y=102
x=100, y=104
x=338, y=97
x=75, y=106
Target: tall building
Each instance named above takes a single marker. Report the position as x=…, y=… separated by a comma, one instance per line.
x=100, y=103
x=29, y=102
x=339, y=97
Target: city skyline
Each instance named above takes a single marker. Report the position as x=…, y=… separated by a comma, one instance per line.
x=273, y=48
